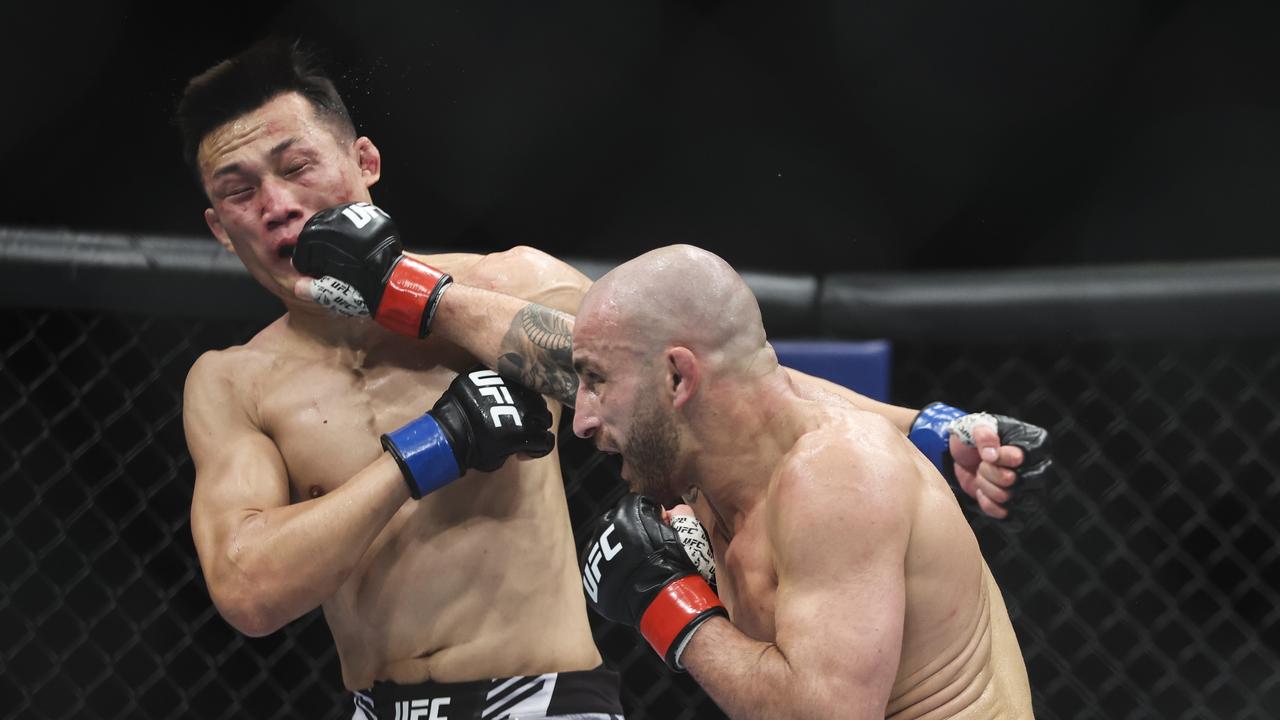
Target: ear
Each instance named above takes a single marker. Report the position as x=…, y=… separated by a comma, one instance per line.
x=683, y=375
x=370, y=160
x=219, y=232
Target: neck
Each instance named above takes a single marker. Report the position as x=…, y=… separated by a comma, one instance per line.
x=322, y=326
x=751, y=424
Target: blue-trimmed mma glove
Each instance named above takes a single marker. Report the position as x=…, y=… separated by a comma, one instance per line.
x=636, y=572
x=933, y=428
x=476, y=424
x=354, y=252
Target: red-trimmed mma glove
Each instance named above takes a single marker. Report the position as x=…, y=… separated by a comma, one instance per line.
x=636, y=572
x=477, y=423
x=356, y=246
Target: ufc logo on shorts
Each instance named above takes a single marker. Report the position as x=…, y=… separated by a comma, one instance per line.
x=491, y=386
x=591, y=571
x=361, y=213
x=425, y=709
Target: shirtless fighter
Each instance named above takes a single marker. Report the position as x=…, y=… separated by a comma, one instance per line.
x=850, y=584
x=301, y=503
x=310, y=443
x=855, y=586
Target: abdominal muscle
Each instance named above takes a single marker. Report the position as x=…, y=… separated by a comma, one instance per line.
x=477, y=580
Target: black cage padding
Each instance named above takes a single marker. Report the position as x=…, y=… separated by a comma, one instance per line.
x=1148, y=588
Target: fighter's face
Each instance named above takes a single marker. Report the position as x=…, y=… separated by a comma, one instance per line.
x=267, y=172
x=619, y=405
x=649, y=448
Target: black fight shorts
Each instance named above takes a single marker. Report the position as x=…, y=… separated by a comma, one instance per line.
x=580, y=695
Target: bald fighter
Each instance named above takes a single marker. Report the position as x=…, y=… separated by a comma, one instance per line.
x=854, y=585
x=320, y=482
x=850, y=584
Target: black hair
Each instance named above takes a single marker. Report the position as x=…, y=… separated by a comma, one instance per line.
x=247, y=81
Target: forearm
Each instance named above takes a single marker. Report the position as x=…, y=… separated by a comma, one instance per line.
x=526, y=342
x=284, y=562
x=749, y=679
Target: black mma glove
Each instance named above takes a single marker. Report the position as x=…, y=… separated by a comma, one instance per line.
x=358, y=244
x=477, y=424
x=931, y=432
x=636, y=572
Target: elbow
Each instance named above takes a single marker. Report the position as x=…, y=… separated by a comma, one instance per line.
x=249, y=601
x=251, y=615
x=497, y=270
x=525, y=257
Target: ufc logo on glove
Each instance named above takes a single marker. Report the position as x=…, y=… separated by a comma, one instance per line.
x=491, y=386
x=591, y=569
x=361, y=213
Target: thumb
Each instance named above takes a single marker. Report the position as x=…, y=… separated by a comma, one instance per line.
x=302, y=289
x=681, y=510
x=987, y=440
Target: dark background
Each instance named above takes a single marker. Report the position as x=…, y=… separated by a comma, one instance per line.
x=815, y=138
x=786, y=136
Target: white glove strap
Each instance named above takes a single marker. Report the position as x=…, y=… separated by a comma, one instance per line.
x=696, y=545
x=963, y=427
x=338, y=297
x=684, y=643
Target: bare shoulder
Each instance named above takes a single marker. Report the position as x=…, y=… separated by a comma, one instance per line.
x=232, y=373
x=215, y=379
x=836, y=489
x=853, y=464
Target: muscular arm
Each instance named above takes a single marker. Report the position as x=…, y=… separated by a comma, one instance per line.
x=267, y=562
x=838, y=528
x=513, y=312
x=533, y=345
x=526, y=342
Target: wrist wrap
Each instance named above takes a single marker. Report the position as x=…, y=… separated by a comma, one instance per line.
x=676, y=611
x=424, y=453
x=930, y=432
x=410, y=295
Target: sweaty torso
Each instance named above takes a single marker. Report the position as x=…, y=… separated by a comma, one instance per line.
x=959, y=657
x=476, y=580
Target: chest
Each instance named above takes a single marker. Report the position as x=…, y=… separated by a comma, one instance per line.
x=326, y=419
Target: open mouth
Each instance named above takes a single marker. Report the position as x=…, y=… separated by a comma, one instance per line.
x=286, y=251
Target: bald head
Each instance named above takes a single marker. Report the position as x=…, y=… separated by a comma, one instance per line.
x=680, y=295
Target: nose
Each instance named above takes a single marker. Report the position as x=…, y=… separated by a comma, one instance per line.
x=279, y=206
x=585, y=418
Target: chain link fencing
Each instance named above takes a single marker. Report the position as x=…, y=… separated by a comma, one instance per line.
x=1148, y=588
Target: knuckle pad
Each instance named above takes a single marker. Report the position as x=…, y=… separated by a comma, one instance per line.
x=1036, y=471
x=1021, y=434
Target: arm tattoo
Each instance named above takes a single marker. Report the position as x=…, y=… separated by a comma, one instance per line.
x=537, y=352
